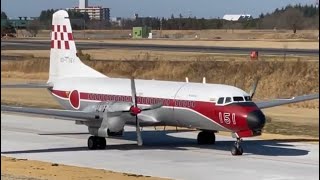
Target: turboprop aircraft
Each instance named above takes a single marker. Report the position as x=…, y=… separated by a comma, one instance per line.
x=105, y=105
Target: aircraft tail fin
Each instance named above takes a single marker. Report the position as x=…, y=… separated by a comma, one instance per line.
x=64, y=61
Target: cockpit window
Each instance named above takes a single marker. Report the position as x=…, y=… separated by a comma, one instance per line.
x=247, y=98
x=220, y=100
x=238, y=99
x=228, y=99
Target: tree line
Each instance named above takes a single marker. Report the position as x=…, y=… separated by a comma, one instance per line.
x=289, y=17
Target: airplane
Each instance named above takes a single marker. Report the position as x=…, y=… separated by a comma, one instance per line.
x=105, y=105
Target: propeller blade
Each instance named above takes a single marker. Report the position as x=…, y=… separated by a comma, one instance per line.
x=253, y=88
x=139, y=138
x=133, y=92
x=135, y=110
x=151, y=107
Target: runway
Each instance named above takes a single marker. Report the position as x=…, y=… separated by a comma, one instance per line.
x=44, y=45
x=164, y=154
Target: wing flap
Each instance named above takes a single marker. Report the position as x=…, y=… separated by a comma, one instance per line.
x=278, y=102
x=79, y=115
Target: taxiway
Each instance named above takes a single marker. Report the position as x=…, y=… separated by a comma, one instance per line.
x=40, y=45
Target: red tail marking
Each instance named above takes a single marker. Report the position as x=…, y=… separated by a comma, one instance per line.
x=70, y=36
x=58, y=30
x=53, y=28
x=52, y=43
x=55, y=35
x=66, y=44
x=59, y=44
x=61, y=36
x=64, y=28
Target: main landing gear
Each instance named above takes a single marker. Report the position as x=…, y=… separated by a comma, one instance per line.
x=236, y=149
x=206, y=137
x=96, y=142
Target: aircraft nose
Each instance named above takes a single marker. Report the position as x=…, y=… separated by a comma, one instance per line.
x=256, y=120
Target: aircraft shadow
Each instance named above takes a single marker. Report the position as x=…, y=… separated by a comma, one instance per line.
x=160, y=140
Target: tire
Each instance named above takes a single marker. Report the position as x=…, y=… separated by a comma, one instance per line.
x=211, y=137
x=236, y=151
x=240, y=150
x=92, y=143
x=102, y=143
x=201, y=138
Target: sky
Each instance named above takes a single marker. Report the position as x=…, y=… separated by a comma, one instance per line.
x=153, y=8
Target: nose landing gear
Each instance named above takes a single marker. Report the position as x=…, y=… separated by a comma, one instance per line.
x=236, y=149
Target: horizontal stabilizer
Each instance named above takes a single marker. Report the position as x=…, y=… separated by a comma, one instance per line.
x=80, y=115
x=26, y=85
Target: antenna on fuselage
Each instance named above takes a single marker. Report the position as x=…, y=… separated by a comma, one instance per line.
x=187, y=80
x=204, y=80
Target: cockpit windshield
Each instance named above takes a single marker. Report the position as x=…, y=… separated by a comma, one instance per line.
x=228, y=100
x=220, y=100
x=238, y=99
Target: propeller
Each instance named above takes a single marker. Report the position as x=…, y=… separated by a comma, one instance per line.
x=254, y=87
x=135, y=110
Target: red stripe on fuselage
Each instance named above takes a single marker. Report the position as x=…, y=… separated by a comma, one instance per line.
x=232, y=116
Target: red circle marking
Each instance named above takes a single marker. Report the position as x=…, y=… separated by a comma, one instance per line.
x=74, y=99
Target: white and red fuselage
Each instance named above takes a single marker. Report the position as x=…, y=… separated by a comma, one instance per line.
x=192, y=105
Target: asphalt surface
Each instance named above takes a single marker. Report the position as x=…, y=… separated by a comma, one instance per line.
x=173, y=155
x=42, y=45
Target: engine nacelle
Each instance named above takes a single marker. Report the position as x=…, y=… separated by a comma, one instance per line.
x=115, y=124
x=114, y=118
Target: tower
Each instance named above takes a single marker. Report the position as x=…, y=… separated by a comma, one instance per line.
x=83, y=4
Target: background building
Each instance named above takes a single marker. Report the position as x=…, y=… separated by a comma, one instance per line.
x=83, y=4
x=237, y=17
x=94, y=12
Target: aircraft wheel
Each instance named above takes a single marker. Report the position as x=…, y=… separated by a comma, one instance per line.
x=101, y=142
x=92, y=142
x=206, y=137
x=236, y=150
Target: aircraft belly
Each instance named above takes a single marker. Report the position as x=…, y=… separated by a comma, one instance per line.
x=165, y=116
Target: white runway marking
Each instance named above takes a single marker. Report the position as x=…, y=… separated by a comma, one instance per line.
x=173, y=155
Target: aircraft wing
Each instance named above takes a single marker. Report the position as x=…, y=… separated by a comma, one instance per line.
x=63, y=114
x=278, y=102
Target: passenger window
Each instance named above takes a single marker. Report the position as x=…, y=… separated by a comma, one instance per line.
x=238, y=99
x=228, y=99
x=220, y=100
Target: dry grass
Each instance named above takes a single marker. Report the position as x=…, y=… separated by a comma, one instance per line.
x=224, y=34
x=126, y=55
x=50, y=171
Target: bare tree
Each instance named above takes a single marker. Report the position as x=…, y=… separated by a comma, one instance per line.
x=33, y=27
